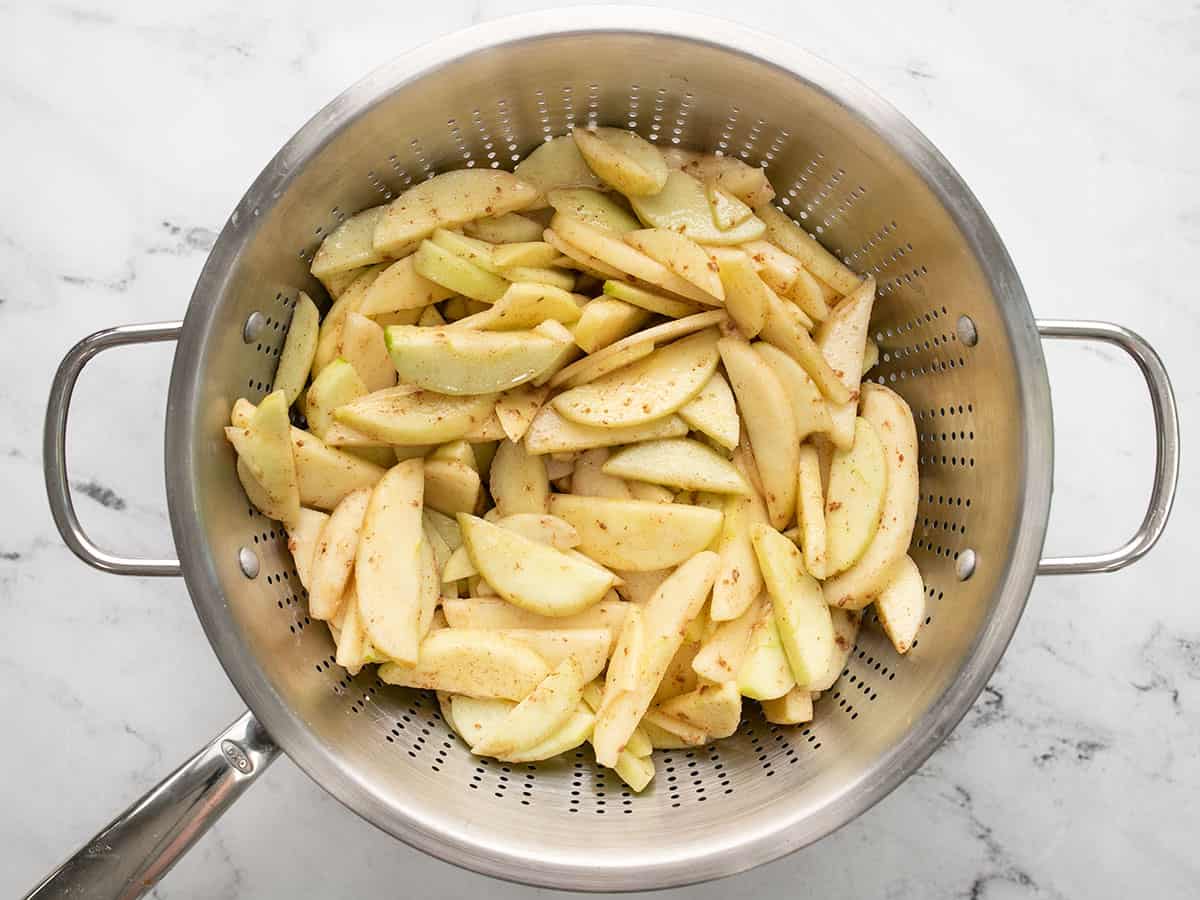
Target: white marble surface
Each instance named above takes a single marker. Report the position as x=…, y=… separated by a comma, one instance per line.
x=133, y=128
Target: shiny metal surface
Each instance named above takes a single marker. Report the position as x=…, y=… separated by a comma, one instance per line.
x=873, y=189
x=54, y=447
x=134, y=851
x=1166, y=446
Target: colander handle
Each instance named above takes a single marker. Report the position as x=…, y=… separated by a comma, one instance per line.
x=54, y=447
x=137, y=848
x=1166, y=457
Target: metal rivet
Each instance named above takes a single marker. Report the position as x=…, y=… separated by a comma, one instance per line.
x=965, y=567
x=248, y=560
x=255, y=323
x=967, y=333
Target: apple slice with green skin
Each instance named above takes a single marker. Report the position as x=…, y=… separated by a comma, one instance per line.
x=407, y=415
x=302, y=541
x=791, y=238
x=622, y=159
x=497, y=614
x=517, y=408
x=681, y=255
x=793, y=708
x=576, y=731
x=336, y=385
x=552, y=433
x=682, y=206
x=713, y=709
x=770, y=423
x=519, y=482
x=299, y=348
x=805, y=627
x=765, y=673
x=463, y=362
x=901, y=605
x=858, y=480
x=636, y=534
x=680, y=463
x=470, y=662
x=537, y=716
x=595, y=208
x=447, y=201
x=722, y=652
x=264, y=444
x=529, y=574
x=557, y=164
x=649, y=300
x=435, y=263
x=842, y=339
x=677, y=601
x=713, y=412
x=333, y=559
x=524, y=306
x=350, y=245
x=387, y=566
x=809, y=408
x=649, y=389
x=810, y=513
x=604, y=321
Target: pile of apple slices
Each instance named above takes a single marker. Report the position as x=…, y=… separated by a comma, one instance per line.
x=587, y=451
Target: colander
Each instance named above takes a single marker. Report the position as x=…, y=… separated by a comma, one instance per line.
x=957, y=339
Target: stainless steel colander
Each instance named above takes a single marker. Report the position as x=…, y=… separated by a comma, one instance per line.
x=957, y=340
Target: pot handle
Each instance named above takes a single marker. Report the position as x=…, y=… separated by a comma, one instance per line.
x=54, y=447
x=136, y=849
x=1166, y=457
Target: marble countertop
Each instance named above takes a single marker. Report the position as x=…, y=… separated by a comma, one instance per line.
x=134, y=127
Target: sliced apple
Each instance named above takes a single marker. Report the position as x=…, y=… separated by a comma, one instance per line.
x=639, y=587
x=336, y=385
x=551, y=433
x=506, y=229
x=678, y=462
x=623, y=670
x=634, y=534
x=727, y=210
x=793, y=708
x=784, y=329
x=333, y=559
x=809, y=408
x=576, y=731
x=517, y=408
x=713, y=709
x=530, y=574
x=519, y=483
x=451, y=486
x=350, y=245
x=330, y=334
x=858, y=479
x=770, y=423
x=805, y=626
x=524, y=306
x=470, y=662
x=605, y=320
x=635, y=771
x=524, y=253
x=624, y=160
x=497, y=614
x=901, y=605
x=590, y=479
x=264, y=445
x=765, y=673
x=459, y=362
x=739, y=581
x=446, y=201
x=682, y=206
x=473, y=716
x=681, y=255
x=674, y=604
x=405, y=415
x=589, y=647
x=810, y=513
x=557, y=164
x=746, y=295
x=748, y=183
x=352, y=638
x=669, y=738
x=846, y=623
x=721, y=653
x=842, y=338
x=791, y=238
x=325, y=474
x=654, y=493
x=302, y=541
x=646, y=390
x=713, y=412
x=436, y=263
x=538, y=716
x=387, y=567
x=608, y=212
x=299, y=348
x=581, y=259
x=362, y=345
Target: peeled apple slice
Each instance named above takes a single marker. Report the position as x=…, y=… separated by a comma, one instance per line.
x=557, y=164
x=264, y=445
x=682, y=206
x=624, y=160
x=537, y=716
x=592, y=207
x=901, y=605
x=405, y=415
x=470, y=662
x=842, y=339
x=765, y=673
x=299, y=348
x=680, y=463
x=458, y=362
x=350, y=245
x=636, y=534
x=858, y=480
x=551, y=433
x=681, y=255
x=713, y=412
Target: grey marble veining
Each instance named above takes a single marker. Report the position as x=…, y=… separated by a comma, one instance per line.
x=132, y=129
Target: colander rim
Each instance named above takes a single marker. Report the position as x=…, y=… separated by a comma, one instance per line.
x=782, y=829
